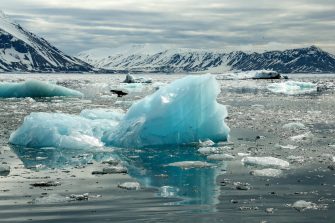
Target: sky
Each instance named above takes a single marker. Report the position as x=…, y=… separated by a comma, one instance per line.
x=255, y=25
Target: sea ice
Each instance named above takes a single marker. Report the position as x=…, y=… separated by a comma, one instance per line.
x=221, y=157
x=302, y=205
x=294, y=126
x=302, y=137
x=292, y=87
x=130, y=185
x=265, y=162
x=4, y=170
x=35, y=89
x=182, y=112
x=100, y=113
x=190, y=164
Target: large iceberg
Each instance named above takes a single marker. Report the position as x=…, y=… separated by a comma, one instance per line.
x=35, y=89
x=183, y=112
x=292, y=88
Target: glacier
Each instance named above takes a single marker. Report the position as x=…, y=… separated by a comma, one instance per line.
x=35, y=89
x=182, y=112
x=292, y=88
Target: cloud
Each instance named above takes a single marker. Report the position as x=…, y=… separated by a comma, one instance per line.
x=259, y=24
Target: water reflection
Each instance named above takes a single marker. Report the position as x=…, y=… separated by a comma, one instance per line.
x=148, y=166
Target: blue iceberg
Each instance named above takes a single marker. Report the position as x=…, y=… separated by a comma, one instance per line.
x=182, y=112
x=35, y=89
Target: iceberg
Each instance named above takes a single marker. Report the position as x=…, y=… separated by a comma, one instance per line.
x=35, y=89
x=60, y=131
x=182, y=112
x=292, y=88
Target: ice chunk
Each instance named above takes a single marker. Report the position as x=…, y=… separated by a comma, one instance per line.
x=132, y=79
x=60, y=131
x=302, y=205
x=130, y=185
x=182, y=112
x=291, y=147
x=209, y=150
x=190, y=164
x=302, y=137
x=220, y=157
x=292, y=87
x=35, y=89
x=265, y=162
x=294, y=126
x=269, y=172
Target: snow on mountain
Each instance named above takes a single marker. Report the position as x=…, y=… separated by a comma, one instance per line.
x=23, y=51
x=145, y=58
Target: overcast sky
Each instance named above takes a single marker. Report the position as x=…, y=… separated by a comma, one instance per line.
x=76, y=25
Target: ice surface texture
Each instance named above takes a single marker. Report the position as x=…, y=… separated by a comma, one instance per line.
x=292, y=87
x=35, y=89
x=184, y=111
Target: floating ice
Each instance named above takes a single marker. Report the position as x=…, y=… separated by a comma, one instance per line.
x=132, y=79
x=4, y=170
x=100, y=113
x=302, y=137
x=294, y=126
x=265, y=162
x=220, y=157
x=292, y=87
x=130, y=185
x=190, y=164
x=269, y=172
x=183, y=112
x=35, y=89
x=209, y=150
x=255, y=74
x=60, y=131
x=302, y=205
x=291, y=147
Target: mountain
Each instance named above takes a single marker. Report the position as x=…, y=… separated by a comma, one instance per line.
x=23, y=51
x=146, y=58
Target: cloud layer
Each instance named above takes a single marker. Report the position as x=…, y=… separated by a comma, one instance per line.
x=78, y=25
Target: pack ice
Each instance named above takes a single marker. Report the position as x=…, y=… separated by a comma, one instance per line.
x=35, y=89
x=292, y=88
x=184, y=111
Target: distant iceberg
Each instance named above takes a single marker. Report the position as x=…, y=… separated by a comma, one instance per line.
x=183, y=112
x=254, y=74
x=35, y=89
x=292, y=88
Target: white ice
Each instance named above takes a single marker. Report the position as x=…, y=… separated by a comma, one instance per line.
x=292, y=88
x=254, y=74
x=190, y=164
x=268, y=172
x=130, y=185
x=265, y=162
x=294, y=126
x=220, y=157
x=34, y=89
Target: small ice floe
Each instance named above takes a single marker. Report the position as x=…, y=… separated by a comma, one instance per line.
x=35, y=89
x=265, y=162
x=302, y=205
x=190, y=164
x=111, y=170
x=130, y=185
x=302, y=137
x=296, y=159
x=242, y=186
x=4, y=170
x=292, y=87
x=46, y=184
x=243, y=154
x=290, y=147
x=50, y=199
x=168, y=191
x=210, y=150
x=222, y=157
x=206, y=143
x=78, y=197
x=294, y=126
x=269, y=172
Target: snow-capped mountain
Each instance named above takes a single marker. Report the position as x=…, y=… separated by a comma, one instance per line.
x=146, y=58
x=23, y=51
